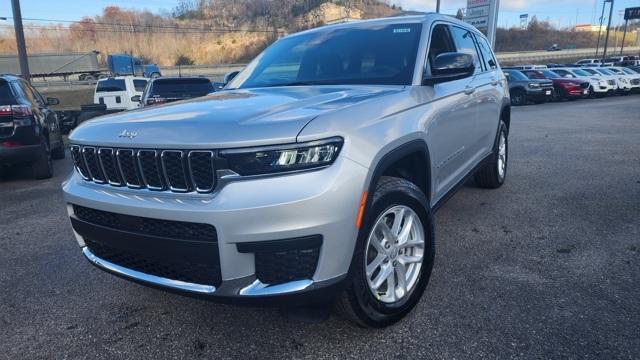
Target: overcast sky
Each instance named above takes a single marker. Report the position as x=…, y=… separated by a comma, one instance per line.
x=559, y=12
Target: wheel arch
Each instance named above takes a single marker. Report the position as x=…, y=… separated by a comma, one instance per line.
x=411, y=161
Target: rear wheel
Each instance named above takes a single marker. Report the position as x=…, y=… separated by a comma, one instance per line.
x=518, y=97
x=493, y=174
x=42, y=168
x=393, y=258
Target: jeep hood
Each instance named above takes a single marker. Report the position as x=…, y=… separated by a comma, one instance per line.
x=233, y=118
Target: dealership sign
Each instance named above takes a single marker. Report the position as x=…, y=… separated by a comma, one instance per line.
x=483, y=14
x=632, y=13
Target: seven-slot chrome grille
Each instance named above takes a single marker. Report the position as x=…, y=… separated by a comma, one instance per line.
x=157, y=170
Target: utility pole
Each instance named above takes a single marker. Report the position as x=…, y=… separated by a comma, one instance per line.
x=438, y=6
x=600, y=28
x=20, y=43
x=606, y=39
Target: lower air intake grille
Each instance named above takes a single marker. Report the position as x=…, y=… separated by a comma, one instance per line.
x=175, y=250
x=174, y=269
x=284, y=266
x=147, y=226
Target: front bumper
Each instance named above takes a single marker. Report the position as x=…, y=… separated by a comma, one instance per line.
x=316, y=203
x=541, y=94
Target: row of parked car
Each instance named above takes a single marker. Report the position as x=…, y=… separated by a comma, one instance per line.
x=556, y=82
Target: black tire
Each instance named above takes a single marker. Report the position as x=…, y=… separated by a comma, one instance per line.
x=42, y=168
x=489, y=176
x=356, y=302
x=58, y=153
x=155, y=75
x=518, y=97
x=559, y=94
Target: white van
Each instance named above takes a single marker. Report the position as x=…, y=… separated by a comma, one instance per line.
x=116, y=92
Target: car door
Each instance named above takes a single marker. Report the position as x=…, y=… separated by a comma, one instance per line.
x=453, y=120
x=49, y=116
x=491, y=89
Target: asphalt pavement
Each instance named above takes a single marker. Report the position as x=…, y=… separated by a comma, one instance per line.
x=546, y=267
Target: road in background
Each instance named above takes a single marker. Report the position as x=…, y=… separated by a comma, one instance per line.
x=545, y=267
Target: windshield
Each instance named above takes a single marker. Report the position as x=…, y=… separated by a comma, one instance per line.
x=380, y=55
x=516, y=75
x=629, y=71
x=111, y=85
x=580, y=72
x=6, y=96
x=181, y=87
x=605, y=71
x=592, y=72
x=550, y=74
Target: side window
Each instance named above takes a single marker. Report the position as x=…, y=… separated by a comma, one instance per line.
x=139, y=85
x=489, y=59
x=441, y=43
x=465, y=44
x=27, y=91
x=562, y=73
x=36, y=95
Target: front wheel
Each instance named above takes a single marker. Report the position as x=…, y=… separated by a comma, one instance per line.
x=493, y=173
x=393, y=258
x=518, y=97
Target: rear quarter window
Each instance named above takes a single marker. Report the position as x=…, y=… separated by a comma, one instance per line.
x=111, y=85
x=6, y=95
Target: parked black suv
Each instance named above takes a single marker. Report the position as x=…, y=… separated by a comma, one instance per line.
x=169, y=89
x=29, y=132
x=522, y=89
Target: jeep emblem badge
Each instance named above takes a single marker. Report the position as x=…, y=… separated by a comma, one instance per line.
x=128, y=134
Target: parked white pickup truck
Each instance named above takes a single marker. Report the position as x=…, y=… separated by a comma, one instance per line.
x=116, y=92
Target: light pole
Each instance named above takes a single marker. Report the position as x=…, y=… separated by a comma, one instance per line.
x=20, y=43
x=438, y=6
x=606, y=39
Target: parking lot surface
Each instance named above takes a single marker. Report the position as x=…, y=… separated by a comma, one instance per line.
x=548, y=266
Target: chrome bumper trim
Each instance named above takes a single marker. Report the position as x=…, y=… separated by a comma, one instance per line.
x=156, y=280
x=258, y=288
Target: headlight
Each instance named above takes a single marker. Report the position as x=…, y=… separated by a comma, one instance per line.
x=602, y=83
x=283, y=158
x=623, y=80
x=534, y=85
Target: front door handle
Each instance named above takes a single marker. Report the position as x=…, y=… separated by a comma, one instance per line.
x=469, y=90
x=494, y=81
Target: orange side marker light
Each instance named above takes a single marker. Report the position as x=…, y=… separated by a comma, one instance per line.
x=363, y=203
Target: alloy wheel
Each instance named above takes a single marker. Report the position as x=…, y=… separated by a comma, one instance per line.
x=394, y=254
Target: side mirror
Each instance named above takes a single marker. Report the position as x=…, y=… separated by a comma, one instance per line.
x=229, y=76
x=52, y=101
x=450, y=66
x=569, y=76
x=136, y=98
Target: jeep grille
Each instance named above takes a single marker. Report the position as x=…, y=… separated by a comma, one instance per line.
x=158, y=170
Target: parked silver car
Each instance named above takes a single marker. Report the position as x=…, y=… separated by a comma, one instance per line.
x=314, y=174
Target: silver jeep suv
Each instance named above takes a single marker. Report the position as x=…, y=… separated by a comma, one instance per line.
x=315, y=173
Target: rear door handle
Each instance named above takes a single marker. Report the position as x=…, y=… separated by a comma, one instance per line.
x=469, y=90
